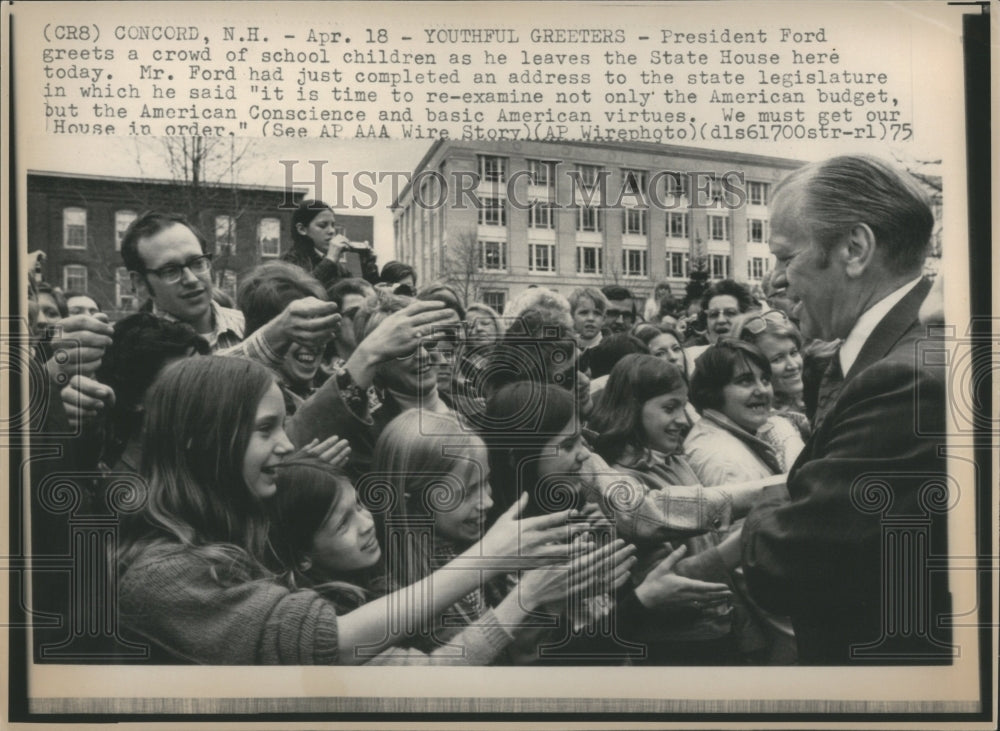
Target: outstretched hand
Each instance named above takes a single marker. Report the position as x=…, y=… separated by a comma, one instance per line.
x=662, y=588
x=332, y=450
x=515, y=543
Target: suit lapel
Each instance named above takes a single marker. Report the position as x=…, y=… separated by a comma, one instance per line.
x=891, y=329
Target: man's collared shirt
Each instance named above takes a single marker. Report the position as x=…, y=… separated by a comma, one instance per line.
x=228, y=326
x=867, y=323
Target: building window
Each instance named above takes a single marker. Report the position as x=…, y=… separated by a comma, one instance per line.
x=677, y=225
x=269, y=237
x=74, y=228
x=75, y=278
x=125, y=298
x=588, y=218
x=676, y=184
x=757, y=193
x=634, y=262
x=634, y=183
x=496, y=299
x=756, y=268
x=715, y=190
x=228, y=283
x=493, y=212
x=718, y=228
x=493, y=256
x=677, y=264
x=492, y=169
x=719, y=265
x=541, y=215
x=542, y=172
x=757, y=230
x=123, y=219
x=225, y=235
x=542, y=258
x=588, y=260
x=634, y=221
x=588, y=175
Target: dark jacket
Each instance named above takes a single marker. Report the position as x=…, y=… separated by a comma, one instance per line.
x=866, y=510
x=327, y=272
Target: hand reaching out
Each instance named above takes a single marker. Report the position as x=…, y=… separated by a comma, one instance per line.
x=332, y=450
x=664, y=589
x=512, y=539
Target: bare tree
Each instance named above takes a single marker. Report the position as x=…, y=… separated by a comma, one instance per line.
x=461, y=266
x=206, y=171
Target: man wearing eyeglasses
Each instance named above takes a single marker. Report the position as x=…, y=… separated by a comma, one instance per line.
x=847, y=551
x=620, y=315
x=168, y=264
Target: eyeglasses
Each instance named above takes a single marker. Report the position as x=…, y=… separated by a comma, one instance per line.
x=728, y=312
x=172, y=273
x=615, y=314
x=758, y=323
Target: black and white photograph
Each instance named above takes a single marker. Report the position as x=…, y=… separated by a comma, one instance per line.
x=637, y=357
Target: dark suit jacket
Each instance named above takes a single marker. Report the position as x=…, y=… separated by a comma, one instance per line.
x=845, y=558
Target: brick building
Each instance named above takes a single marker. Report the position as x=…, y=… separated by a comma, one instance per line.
x=79, y=221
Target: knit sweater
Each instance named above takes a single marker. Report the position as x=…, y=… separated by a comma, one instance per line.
x=170, y=597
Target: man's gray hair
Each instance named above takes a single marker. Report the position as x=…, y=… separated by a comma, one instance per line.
x=836, y=194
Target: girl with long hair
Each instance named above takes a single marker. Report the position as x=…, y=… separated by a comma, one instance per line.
x=316, y=244
x=192, y=562
x=441, y=496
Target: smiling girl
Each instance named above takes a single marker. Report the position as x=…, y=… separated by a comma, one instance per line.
x=731, y=388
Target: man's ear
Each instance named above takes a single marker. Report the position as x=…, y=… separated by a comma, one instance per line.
x=140, y=285
x=860, y=250
x=305, y=563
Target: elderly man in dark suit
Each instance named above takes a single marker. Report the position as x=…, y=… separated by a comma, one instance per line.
x=847, y=556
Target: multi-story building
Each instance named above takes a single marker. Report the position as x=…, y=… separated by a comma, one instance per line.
x=494, y=218
x=79, y=221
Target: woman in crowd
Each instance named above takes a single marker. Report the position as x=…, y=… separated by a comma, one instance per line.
x=664, y=342
x=191, y=562
x=484, y=329
x=448, y=346
x=780, y=342
x=483, y=323
x=731, y=388
x=316, y=245
x=396, y=274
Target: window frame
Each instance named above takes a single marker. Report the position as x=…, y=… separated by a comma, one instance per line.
x=598, y=250
x=71, y=227
x=277, y=238
x=484, y=259
x=533, y=247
